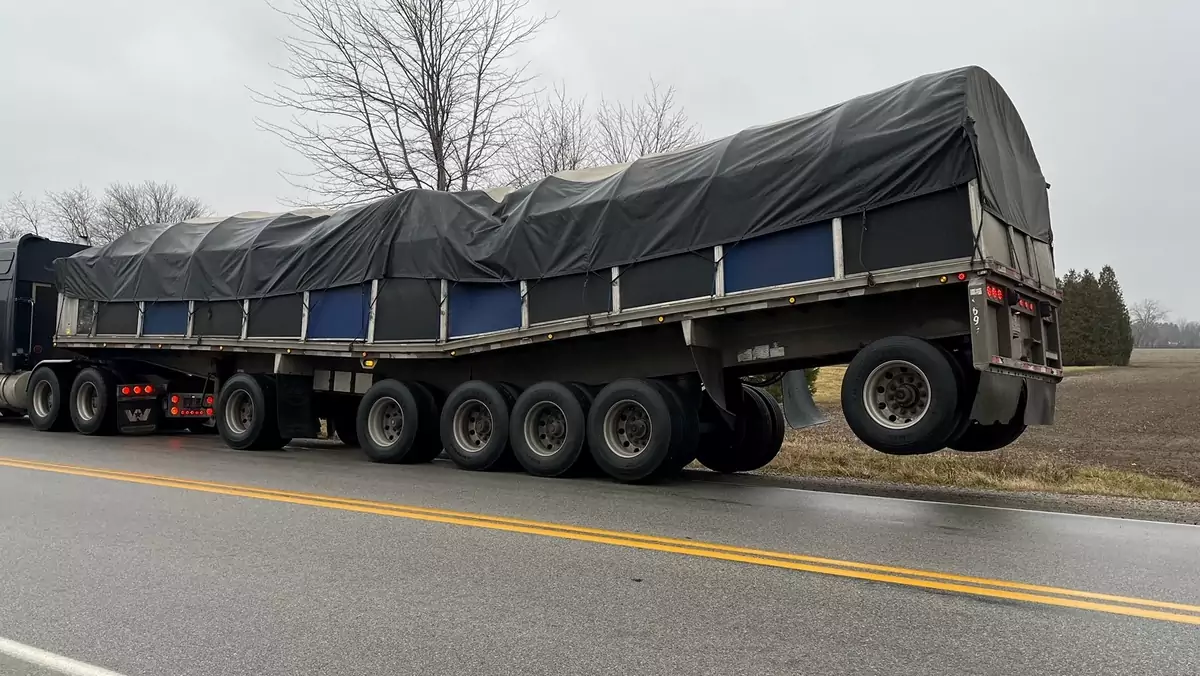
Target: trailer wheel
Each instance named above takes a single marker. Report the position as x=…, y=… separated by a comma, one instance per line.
x=344, y=420
x=92, y=408
x=900, y=395
x=475, y=424
x=778, y=428
x=389, y=422
x=752, y=444
x=246, y=417
x=685, y=435
x=46, y=412
x=429, y=439
x=630, y=429
x=548, y=429
x=978, y=438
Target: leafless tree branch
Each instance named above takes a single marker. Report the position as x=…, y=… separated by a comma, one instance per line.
x=21, y=215
x=387, y=95
x=655, y=124
x=554, y=134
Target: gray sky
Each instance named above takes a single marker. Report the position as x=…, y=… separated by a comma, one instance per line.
x=94, y=92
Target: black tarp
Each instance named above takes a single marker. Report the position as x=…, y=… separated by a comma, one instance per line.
x=932, y=133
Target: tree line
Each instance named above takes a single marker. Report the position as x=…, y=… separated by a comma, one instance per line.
x=1154, y=328
x=382, y=96
x=83, y=216
x=1095, y=327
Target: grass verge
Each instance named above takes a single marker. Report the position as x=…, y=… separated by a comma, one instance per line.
x=804, y=456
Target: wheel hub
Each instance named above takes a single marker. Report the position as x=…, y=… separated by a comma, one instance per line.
x=472, y=426
x=546, y=428
x=628, y=429
x=897, y=394
x=385, y=422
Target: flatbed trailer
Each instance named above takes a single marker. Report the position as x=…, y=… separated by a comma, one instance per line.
x=603, y=319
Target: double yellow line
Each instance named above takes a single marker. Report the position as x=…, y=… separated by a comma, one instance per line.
x=925, y=579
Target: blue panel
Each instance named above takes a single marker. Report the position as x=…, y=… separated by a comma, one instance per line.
x=483, y=308
x=343, y=313
x=166, y=318
x=796, y=255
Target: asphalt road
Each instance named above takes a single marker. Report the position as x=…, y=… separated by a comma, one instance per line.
x=154, y=575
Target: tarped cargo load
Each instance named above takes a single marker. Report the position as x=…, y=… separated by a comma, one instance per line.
x=932, y=133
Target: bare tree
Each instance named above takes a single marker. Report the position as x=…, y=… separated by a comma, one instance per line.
x=21, y=215
x=554, y=134
x=653, y=125
x=387, y=95
x=127, y=206
x=77, y=214
x=1147, y=314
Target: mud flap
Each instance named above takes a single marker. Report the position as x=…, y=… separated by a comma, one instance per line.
x=997, y=398
x=799, y=409
x=1039, y=402
x=293, y=401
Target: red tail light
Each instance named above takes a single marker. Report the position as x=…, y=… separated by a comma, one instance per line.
x=126, y=390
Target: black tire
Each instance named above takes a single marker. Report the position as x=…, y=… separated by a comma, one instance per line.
x=533, y=445
x=429, y=438
x=261, y=431
x=654, y=460
x=778, y=423
x=685, y=436
x=933, y=430
x=344, y=421
x=968, y=383
x=489, y=405
x=978, y=438
x=388, y=423
x=55, y=418
x=102, y=419
x=751, y=445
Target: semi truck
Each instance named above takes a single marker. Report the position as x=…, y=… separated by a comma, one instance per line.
x=620, y=318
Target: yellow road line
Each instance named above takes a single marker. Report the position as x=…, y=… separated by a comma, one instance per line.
x=976, y=586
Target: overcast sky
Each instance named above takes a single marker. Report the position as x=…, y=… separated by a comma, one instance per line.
x=94, y=92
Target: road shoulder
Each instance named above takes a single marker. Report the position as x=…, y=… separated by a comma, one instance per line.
x=1092, y=505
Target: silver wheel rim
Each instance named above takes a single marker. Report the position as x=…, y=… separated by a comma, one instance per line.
x=627, y=428
x=473, y=425
x=87, y=401
x=546, y=428
x=385, y=422
x=43, y=399
x=239, y=412
x=897, y=394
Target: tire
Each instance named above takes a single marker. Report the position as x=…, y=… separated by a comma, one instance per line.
x=978, y=438
x=685, y=436
x=921, y=413
x=92, y=403
x=388, y=423
x=778, y=423
x=752, y=445
x=608, y=441
x=44, y=386
x=474, y=426
x=548, y=429
x=259, y=431
x=429, y=439
x=344, y=420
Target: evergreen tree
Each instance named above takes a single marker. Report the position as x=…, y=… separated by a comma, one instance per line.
x=1081, y=318
x=1117, y=327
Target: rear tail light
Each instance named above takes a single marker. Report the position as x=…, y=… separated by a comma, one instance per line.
x=136, y=390
x=996, y=293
